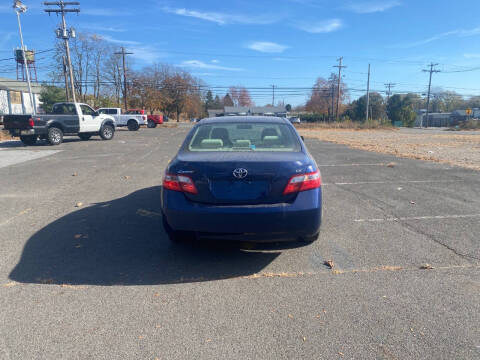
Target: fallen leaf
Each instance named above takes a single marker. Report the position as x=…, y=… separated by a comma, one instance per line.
x=412, y=202
x=290, y=316
x=391, y=164
x=426, y=267
x=78, y=236
x=79, y=204
x=208, y=340
x=74, y=174
x=140, y=337
x=304, y=339
x=10, y=284
x=329, y=263
x=340, y=353
x=126, y=177
x=156, y=294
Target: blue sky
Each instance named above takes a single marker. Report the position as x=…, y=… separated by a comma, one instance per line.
x=288, y=43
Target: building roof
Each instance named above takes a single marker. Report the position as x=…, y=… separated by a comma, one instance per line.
x=254, y=109
x=15, y=85
x=224, y=119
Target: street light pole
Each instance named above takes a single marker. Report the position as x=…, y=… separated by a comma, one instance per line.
x=20, y=8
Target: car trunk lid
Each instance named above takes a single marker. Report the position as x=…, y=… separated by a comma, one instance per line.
x=250, y=178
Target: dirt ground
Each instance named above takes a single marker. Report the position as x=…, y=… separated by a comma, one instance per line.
x=454, y=148
x=4, y=135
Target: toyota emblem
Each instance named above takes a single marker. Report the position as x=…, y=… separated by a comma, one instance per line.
x=240, y=173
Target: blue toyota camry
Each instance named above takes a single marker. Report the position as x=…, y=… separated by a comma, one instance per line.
x=242, y=178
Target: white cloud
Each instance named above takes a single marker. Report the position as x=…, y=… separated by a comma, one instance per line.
x=119, y=41
x=472, y=56
x=100, y=27
x=197, y=64
x=452, y=33
x=215, y=61
x=267, y=47
x=362, y=7
x=104, y=12
x=222, y=18
x=324, y=26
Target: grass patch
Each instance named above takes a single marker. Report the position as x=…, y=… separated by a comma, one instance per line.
x=348, y=124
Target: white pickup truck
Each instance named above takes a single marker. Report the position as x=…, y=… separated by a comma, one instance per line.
x=65, y=119
x=132, y=121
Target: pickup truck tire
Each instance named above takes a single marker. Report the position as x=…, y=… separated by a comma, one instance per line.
x=151, y=124
x=55, y=136
x=29, y=139
x=132, y=125
x=85, y=137
x=107, y=132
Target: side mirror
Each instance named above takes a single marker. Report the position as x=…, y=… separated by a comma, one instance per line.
x=303, y=139
x=97, y=113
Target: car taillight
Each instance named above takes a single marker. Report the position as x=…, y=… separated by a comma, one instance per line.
x=303, y=182
x=31, y=123
x=179, y=183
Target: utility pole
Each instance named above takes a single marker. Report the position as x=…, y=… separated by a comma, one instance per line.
x=431, y=71
x=125, y=95
x=368, y=93
x=65, y=76
x=273, y=95
x=64, y=33
x=20, y=8
x=339, y=66
x=333, y=101
x=389, y=91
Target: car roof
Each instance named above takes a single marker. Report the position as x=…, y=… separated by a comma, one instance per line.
x=226, y=119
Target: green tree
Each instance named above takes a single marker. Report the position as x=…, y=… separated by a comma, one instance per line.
x=357, y=110
x=288, y=107
x=401, y=108
x=217, y=103
x=209, y=100
x=50, y=95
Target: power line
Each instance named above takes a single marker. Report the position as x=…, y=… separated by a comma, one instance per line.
x=389, y=91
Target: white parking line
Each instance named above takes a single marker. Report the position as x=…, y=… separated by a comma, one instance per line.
x=438, y=217
x=393, y=182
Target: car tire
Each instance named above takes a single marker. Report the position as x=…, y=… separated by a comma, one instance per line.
x=132, y=125
x=151, y=124
x=55, y=136
x=107, y=132
x=29, y=139
x=85, y=137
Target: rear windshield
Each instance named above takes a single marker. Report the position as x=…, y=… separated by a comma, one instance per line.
x=239, y=136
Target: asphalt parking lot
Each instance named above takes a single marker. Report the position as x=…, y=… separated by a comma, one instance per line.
x=102, y=280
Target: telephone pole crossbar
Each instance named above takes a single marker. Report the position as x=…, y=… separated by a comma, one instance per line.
x=431, y=71
x=339, y=66
x=389, y=86
x=123, y=52
x=65, y=34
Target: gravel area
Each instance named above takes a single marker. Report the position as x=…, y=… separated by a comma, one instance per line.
x=454, y=148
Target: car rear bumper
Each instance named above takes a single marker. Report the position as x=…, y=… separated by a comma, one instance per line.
x=269, y=222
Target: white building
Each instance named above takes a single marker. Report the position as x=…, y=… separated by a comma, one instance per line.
x=15, y=99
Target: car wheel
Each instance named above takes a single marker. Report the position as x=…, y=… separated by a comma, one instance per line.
x=151, y=124
x=29, y=139
x=107, y=132
x=55, y=136
x=85, y=137
x=132, y=125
